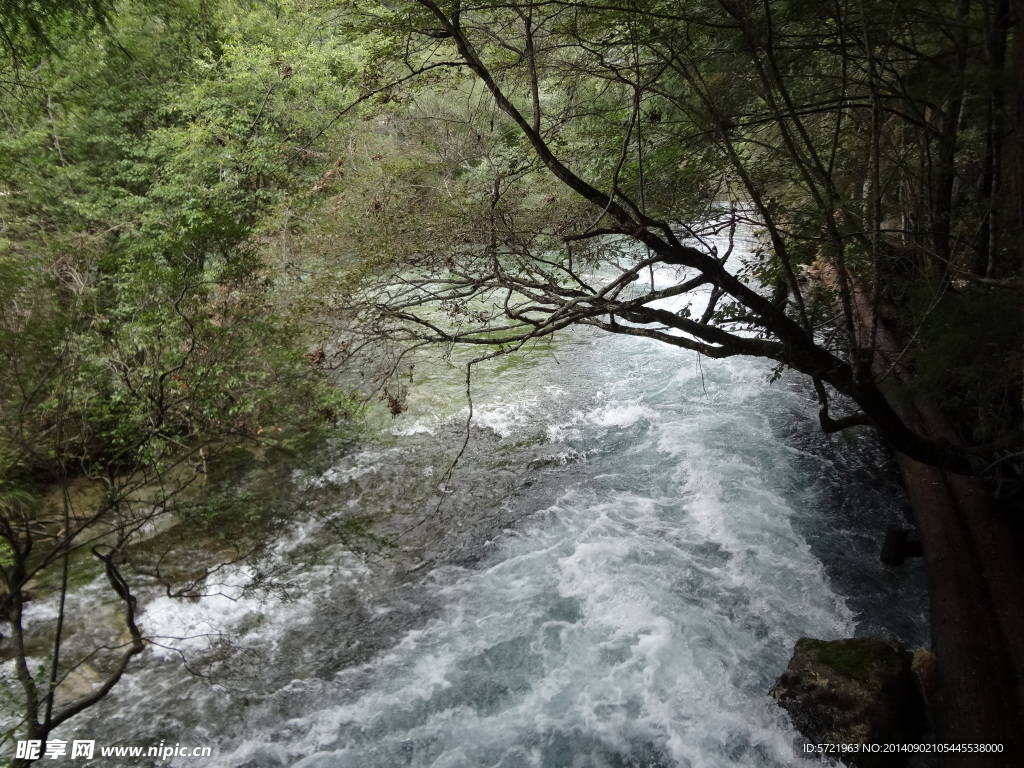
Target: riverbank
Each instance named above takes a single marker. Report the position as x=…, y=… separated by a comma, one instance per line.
x=976, y=586
x=619, y=569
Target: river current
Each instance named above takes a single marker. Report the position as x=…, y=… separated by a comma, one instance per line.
x=614, y=577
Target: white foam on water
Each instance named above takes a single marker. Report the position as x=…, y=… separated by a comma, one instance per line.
x=507, y=417
x=569, y=429
x=634, y=614
x=637, y=620
x=418, y=427
x=616, y=625
x=191, y=624
x=622, y=415
x=352, y=467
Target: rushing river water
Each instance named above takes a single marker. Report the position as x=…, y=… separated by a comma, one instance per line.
x=630, y=546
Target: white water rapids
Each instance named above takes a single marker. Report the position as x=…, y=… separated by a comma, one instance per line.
x=633, y=543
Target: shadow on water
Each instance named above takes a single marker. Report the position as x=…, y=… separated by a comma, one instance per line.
x=854, y=491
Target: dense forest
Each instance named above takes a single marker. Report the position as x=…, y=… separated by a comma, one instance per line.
x=224, y=225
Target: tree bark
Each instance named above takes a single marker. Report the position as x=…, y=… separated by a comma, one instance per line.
x=976, y=588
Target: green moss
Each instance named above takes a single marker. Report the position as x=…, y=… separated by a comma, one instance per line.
x=6, y=554
x=857, y=658
x=809, y=644
x=83, y=569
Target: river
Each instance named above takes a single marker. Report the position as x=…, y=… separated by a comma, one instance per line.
x=613, y=578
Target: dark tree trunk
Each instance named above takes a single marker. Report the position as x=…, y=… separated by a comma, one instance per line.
x=976, y=590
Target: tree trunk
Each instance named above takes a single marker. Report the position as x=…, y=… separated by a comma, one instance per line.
x=976, y=586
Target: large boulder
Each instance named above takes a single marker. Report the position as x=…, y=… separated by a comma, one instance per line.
x=856, y=691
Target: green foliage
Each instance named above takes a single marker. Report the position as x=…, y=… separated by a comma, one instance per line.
x=28, y=23
x=968, y=355
x=140, y=162
x=145, y=329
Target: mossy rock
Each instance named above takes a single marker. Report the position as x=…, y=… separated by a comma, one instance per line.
x=853, y=691
x=861, y=658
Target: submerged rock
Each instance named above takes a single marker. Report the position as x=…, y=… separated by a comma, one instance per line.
x=856, y=691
